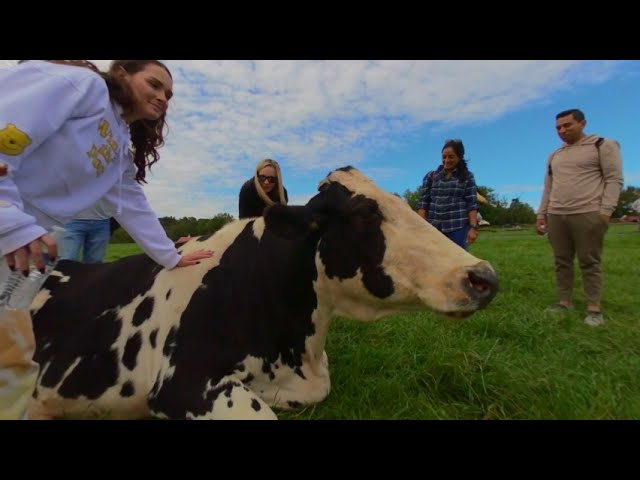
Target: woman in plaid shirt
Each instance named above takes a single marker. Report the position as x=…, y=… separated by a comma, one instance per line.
x=448, y=198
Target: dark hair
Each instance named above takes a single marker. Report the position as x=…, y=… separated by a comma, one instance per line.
x=458, y=147
x=578, y=116
x=146, y=135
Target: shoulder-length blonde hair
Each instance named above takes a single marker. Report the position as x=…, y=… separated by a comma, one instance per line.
x=261, y=193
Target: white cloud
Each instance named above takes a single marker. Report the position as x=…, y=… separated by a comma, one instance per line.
x=313, y=116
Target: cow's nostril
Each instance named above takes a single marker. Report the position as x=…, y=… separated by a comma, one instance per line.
x=483, y=284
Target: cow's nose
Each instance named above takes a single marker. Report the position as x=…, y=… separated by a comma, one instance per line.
x=481, y=284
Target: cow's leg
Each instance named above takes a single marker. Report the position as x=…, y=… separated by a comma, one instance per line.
x=229, y=399
x=235, y=401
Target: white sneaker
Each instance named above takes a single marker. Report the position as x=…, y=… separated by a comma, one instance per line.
x=594, y=319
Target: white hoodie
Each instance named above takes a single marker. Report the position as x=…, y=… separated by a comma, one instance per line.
x=65, y=146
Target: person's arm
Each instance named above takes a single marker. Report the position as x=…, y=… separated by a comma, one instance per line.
x=541, y=218
x=471, y=200
x=244, y=201
x=425, y=195
x=34, y=104
x=611, y=165
x=142, y=224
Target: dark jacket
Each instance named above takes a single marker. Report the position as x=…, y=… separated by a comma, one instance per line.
x=250, y=204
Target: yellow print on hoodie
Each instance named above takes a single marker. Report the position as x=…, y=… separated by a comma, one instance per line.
x=106, y=150
x=13, y=141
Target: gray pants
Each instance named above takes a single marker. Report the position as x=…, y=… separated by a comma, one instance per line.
x=581, y=235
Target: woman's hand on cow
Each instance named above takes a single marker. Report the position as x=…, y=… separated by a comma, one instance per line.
x=194, y=258
x=19, y=258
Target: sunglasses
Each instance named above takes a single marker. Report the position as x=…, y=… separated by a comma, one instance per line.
x=264, y=178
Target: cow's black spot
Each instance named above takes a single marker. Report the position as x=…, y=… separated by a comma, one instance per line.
x=353, y=241
x=230, y=403
x=240, y=367
x=225, y=389
x=377, y=281
x=298, y=371
x=131, y=349
x=156, y=387
x=168, y=294
x=272, y=376
x=52, y=282
x=92, y=376
x=204, y=238
x=170, y=344
x=248, y=379
x=255, y=405
x=152, y=337
x=143, y=311
x=294, y=403
x=127, y=389
x=91, y=343
x=266, y=366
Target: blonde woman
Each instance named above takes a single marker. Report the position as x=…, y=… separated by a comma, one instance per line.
x=264, y=189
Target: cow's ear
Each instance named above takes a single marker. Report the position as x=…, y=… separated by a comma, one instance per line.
x=290, y=222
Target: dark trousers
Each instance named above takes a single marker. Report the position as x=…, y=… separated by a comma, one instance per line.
x=581, y=235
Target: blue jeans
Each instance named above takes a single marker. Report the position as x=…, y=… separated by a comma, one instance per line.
x=458, y=236
x=92, y=236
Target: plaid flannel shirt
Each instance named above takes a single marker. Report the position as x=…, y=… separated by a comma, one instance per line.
x=448, y=201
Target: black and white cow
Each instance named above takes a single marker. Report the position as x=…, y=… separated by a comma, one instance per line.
x=245, y=330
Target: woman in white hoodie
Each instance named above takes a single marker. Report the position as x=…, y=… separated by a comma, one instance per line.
x=70, y=136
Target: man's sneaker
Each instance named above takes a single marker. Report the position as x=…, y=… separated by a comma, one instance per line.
x=558, y=308
x=594, y=319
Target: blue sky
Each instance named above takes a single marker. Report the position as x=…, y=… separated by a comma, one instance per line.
x=387, y=118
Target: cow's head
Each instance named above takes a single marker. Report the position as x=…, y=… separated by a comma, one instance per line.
x=375, y=256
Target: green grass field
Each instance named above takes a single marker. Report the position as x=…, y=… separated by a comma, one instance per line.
x=509, y=361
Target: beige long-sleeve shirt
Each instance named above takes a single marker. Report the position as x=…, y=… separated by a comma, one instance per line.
x=582, y=180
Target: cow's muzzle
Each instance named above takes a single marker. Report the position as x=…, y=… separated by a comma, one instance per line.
x=481, y=284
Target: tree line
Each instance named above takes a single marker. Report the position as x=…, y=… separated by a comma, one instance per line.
x=499, y=211
x=180, y=227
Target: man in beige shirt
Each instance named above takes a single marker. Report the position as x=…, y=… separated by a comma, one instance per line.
x=581, y=189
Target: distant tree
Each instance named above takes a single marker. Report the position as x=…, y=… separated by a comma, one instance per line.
x=520, y=212
x=412, y=197
x=497, y=211
x=627, y=197
x=488, y=193
x=176, y=228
